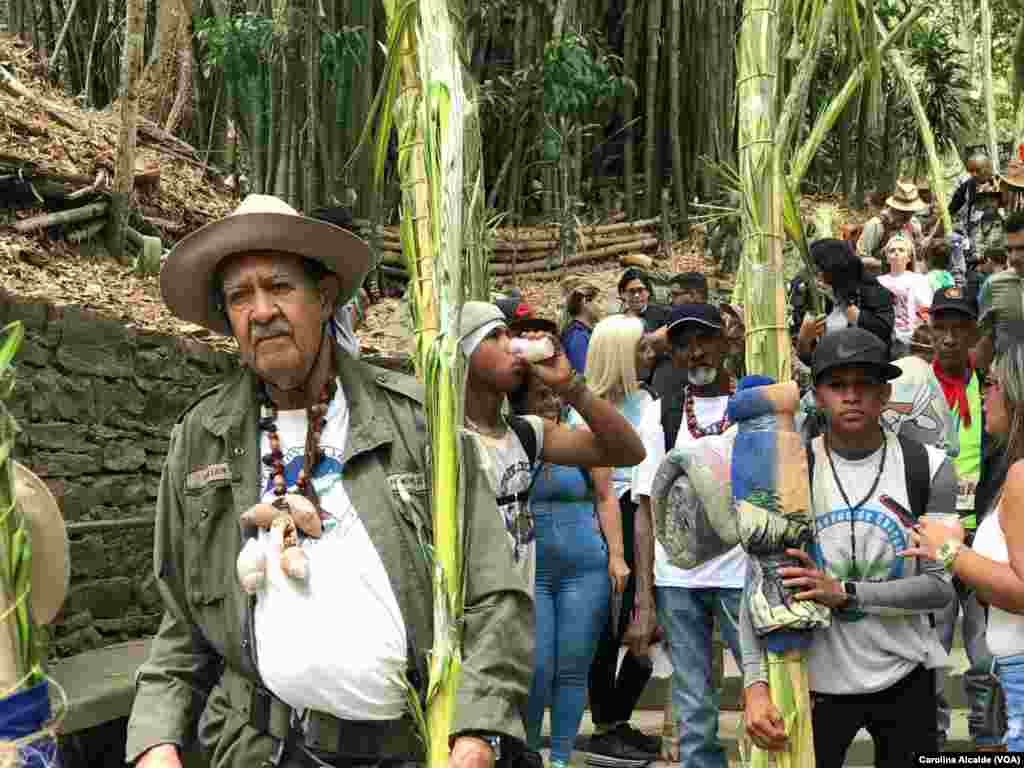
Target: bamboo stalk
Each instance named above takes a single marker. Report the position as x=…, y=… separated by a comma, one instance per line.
x=986, y=85
x=935, y=173
x=802, y=158
x=73, y=216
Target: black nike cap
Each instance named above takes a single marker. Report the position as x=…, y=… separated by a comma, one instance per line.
x=853, y=346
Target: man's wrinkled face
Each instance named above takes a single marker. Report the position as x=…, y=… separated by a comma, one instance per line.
x=277, y=314
x=701, y=352
x=853, y=397
x=635, y=296
x=1015, y=250
x=953, y=334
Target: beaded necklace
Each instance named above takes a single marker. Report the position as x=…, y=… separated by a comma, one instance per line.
x=696, y=431
x=316, y=420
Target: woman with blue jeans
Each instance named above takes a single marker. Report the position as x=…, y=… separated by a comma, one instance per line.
x=993, y=565
x=571, y=589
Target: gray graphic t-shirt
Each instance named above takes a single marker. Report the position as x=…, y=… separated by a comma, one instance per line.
x=510, y=472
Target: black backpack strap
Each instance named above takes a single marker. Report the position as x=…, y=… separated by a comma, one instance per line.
x=527, y=437
x=671, y=418
x=918, y=475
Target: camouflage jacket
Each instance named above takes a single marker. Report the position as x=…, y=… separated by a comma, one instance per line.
x=212, y=475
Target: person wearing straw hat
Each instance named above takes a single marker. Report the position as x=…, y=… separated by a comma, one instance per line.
x=28, y=726
x=303, y=428
x=897, y=216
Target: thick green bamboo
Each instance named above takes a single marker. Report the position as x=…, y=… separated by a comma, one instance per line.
x=651, y=174
x=767, y=346
x=628, y=103
x=802, y=158
x=936, y=175
x=433, y=114
x=675, y=97
x=761, y=209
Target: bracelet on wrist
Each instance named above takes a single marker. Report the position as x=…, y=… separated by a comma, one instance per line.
x=948, y=552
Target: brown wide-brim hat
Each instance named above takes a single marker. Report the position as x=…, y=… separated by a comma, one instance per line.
x=906, y=198
x=51, y=565
x=260, y=223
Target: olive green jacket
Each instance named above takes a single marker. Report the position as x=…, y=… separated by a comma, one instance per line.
x=212, y=474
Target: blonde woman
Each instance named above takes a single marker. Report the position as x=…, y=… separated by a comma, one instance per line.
x=612, y=371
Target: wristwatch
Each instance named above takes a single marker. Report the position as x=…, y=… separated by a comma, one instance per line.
x=852, y=603
x=947, y=553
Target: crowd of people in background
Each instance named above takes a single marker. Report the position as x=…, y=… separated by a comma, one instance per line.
x=908, y=343
x=913, y=370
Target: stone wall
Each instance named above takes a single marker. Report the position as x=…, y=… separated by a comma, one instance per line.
x=95, y=402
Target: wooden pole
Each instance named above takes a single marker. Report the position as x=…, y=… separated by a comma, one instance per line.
x=124, y=175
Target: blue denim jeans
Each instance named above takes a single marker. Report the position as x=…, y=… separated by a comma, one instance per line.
x=1010, y=670
x=688, y=618
x=571, y=602
x=977, y=679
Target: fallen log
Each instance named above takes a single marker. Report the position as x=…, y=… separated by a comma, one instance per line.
x=584, y=243
x=542, y=265
x=87, y=232
x=15, y=87
x=73, y=216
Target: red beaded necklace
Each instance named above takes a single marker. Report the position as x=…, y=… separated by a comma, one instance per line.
x=316, y=420
x=696, y=431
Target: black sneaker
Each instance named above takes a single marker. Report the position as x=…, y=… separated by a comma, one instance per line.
x=610, y=750
x=638, y=739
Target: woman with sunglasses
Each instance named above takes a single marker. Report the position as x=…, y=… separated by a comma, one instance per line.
x=995, y=564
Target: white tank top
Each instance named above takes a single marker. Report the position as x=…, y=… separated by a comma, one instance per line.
x=1005, y=635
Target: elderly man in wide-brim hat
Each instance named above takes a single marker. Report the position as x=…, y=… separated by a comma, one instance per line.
x=308, y=670
x=897, y=216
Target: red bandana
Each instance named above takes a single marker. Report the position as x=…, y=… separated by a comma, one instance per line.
x=955, y=389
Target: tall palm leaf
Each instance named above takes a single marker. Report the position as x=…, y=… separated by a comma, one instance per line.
x=426, y=97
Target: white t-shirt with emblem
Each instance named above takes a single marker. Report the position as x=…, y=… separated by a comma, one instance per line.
x=727, y=571
x=307, y=652
x=510, y=473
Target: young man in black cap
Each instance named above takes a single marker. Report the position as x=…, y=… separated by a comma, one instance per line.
x=688, y=601
x=954, y=331
x=873, y=668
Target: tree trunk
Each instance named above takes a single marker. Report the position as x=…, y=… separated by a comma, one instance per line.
x=124, y=174
x=312, y=93
x=678, y=180
x=845, y=122
x=986, y=84
x=101, y=16
x=61, y=37
x=46, y=27
x=628, y=102
x=651, y=170
x=863, y=139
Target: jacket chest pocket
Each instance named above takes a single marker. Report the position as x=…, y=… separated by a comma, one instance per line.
x=410, y=493
x=212, y=544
